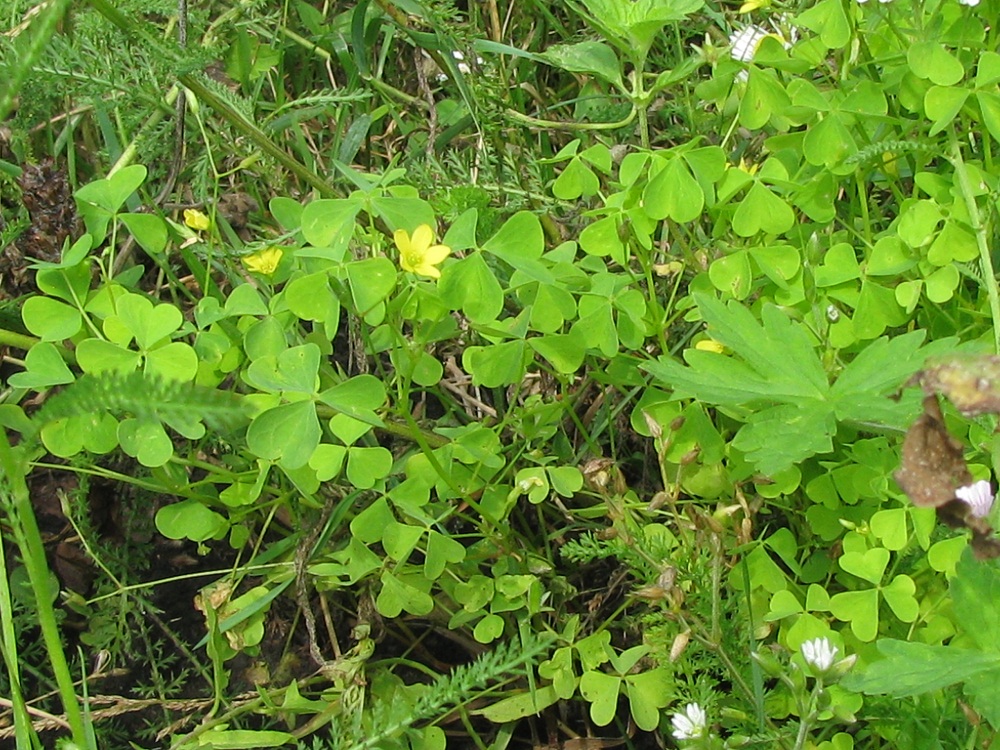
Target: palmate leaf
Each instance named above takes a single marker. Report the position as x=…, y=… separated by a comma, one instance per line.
x=774, y=370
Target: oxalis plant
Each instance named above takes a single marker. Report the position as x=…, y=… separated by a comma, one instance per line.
x=431, y=424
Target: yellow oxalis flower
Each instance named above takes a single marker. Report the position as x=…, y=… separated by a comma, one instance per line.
x=196, y=219
x=710, y=345
x=264, y=261
x=418, y=253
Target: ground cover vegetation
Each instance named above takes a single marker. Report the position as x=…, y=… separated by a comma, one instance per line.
x=569, y=374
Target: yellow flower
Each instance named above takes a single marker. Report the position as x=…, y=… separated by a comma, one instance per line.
x=418, y=254
x=264, y=261
x=710, y=345
x=750, y=169
x=196, y=219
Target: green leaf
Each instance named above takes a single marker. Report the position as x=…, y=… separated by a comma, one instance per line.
x=648, y=692
x=828, y=19
x=403, y=212
x=601, y=691
x=400, y=539
x=371, y=280
x=586, y=57
x=441, y=550
x=44, y=368
x=111, y=193
x=942, y=104
x=890, y=528
x=369, y=525
x=975, y=591
x=488, y=629
x=915, y=668
x=634, y=25
x=829, y=141
x=150, y=231
x=732, y=274
x=236, y=739
x=601, y=238
x=189, y=519
x=288, y=433
x=989, y=105
x=860, y=608
x=764, y=97
x=779, y=362
x=780, y=437
x=311, y=298
x=565, y=351
x=175, y=361
x=329, y=223
x=50, y=319
x=932, y=61
x=95, y=356
x=899, y=595
x=673, y=193
x=522, y=705
x=366, y=466
x=520, y=239
x=575, y=180
x=471, y=286
x=327, y=461
x=294, y=370
x=869, y=565
x=497, y=365
x=762, y=211
x=145, y=440
x=397, y=595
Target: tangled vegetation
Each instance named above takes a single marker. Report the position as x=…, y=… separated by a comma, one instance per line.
x=548, y=374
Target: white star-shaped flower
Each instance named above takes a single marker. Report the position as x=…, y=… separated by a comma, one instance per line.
x=691, y=723
x=820, y=653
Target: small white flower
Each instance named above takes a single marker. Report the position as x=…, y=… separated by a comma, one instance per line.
x=970, y=3
x=744, y=43
x=979, y=496
x=690, y=724
x=820, y=653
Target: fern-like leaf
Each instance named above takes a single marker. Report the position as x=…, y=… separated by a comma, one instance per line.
x=170, y=401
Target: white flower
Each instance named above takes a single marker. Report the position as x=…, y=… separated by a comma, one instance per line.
x=970, y=3
x=744, y=43
x=979, y=496
x=820, y=653
x=690, y=724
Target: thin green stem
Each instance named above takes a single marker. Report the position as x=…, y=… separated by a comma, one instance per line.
x=47, y=24
x=557, y=125
x=222, y=107
x=24, y=732
x=16, y=340
x=975, y=219
x=29, y=540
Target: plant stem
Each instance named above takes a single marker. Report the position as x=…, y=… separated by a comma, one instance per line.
x=223, y=108
x=46, y=28
x=17, y=498
x=985, y=258
x=16, y=340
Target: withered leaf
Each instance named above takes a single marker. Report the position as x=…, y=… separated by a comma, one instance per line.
x=972, y=384
x=933, y=468
x=933, y=461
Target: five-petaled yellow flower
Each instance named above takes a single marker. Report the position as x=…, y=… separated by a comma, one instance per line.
x=264, y=261
x=418, y=253
x=196, y=219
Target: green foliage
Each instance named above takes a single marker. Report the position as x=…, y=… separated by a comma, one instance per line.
x=640, y=423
